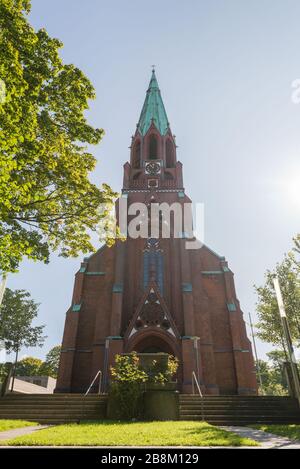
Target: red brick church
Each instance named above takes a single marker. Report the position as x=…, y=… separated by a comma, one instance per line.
x=154, y=294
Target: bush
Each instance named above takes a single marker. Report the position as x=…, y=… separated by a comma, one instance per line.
x=126, y=389
x=161, y=371
x=129, y=375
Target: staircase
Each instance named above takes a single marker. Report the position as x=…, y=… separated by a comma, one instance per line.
x=239, y=410
x=53, y=408
x=218, y=410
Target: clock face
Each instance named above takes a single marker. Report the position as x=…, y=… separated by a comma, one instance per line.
x=152, y=168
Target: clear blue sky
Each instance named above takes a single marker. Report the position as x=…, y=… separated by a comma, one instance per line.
x=225, y=69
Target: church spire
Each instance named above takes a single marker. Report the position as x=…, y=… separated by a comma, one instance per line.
x=153, y=160
x=153, y=110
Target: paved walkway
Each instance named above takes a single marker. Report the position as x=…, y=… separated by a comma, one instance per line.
x=7, y=435
x=266, y=440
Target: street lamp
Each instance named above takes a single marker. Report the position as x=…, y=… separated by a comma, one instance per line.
x=288, y=338
x=256, y=356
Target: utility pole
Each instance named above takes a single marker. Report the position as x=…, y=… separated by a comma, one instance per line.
x=288, y=338
x=256, y=356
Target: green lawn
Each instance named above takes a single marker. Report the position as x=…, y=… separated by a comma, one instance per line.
x=11, y=424
x=108, y=433
x=290, y=431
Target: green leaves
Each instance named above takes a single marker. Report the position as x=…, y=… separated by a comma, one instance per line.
x=51, y=364
x=128, y=376
x=47, y=201
x=31, y=366
x=17, y=312
x=269, y=325
x=128, y=369
x=272, y=374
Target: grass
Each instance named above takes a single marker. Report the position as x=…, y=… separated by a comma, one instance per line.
x=108, y=433
x=6, y=425
x=290, y=431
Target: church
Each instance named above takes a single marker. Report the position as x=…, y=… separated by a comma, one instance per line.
x=152, y=294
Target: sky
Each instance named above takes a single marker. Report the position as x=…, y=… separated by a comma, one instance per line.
x=225, y=70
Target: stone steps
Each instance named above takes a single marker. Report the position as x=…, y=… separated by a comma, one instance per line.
x=56, y=408
x=218, y=410
x=239, y=410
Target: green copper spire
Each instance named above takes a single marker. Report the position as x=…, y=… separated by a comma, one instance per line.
x=153, y=110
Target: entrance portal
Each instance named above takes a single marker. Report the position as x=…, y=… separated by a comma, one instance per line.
x=153, y=344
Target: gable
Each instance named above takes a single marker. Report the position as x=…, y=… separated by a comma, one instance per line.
x=152, y=312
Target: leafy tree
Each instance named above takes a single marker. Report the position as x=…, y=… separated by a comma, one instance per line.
x=29, y=366
x=17, y=312
x=277, y=358
x=269, y=324
x=272, y=376
x=297, y=244
x=46, y=199
x=51, y=364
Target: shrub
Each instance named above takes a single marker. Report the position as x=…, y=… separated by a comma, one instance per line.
x=129, y=375
x=126, y=390
x=162, y=371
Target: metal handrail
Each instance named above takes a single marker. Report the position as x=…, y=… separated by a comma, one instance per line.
x=99, y=373
x=194, y=380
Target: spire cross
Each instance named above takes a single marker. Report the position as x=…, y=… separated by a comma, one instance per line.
x=153, y=67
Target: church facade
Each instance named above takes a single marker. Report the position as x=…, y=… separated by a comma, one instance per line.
x=153, y=294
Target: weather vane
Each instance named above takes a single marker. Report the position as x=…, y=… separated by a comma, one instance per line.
x=153, y=68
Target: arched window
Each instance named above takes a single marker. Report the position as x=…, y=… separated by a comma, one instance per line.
x=153, y=148
x=136, y=155
x=169, y=154
x=153, y=260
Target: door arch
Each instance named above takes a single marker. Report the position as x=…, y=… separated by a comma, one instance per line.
x=153, y=338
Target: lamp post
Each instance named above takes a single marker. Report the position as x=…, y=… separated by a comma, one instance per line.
x=256, y=355
x=288, y=338
x=196, y=350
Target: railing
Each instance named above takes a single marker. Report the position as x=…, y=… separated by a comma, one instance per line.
x=99, y=373
x=195, y=381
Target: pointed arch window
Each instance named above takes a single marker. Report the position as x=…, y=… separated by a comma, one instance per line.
x=136, y=155
x=153, y=262
x=169, y=154
x=153, y=147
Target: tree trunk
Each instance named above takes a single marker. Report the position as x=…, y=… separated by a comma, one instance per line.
x=2, y=287
x=14, y=371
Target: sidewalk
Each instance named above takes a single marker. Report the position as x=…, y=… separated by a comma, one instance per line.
x=7, y=435
x=266, y=440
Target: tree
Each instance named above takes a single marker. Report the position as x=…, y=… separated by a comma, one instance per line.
x=51, y=364
x=273, y=379
x=17, y=312
x=29, y=366
x=297, y=244
x=269, y=324
x=47, y=201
